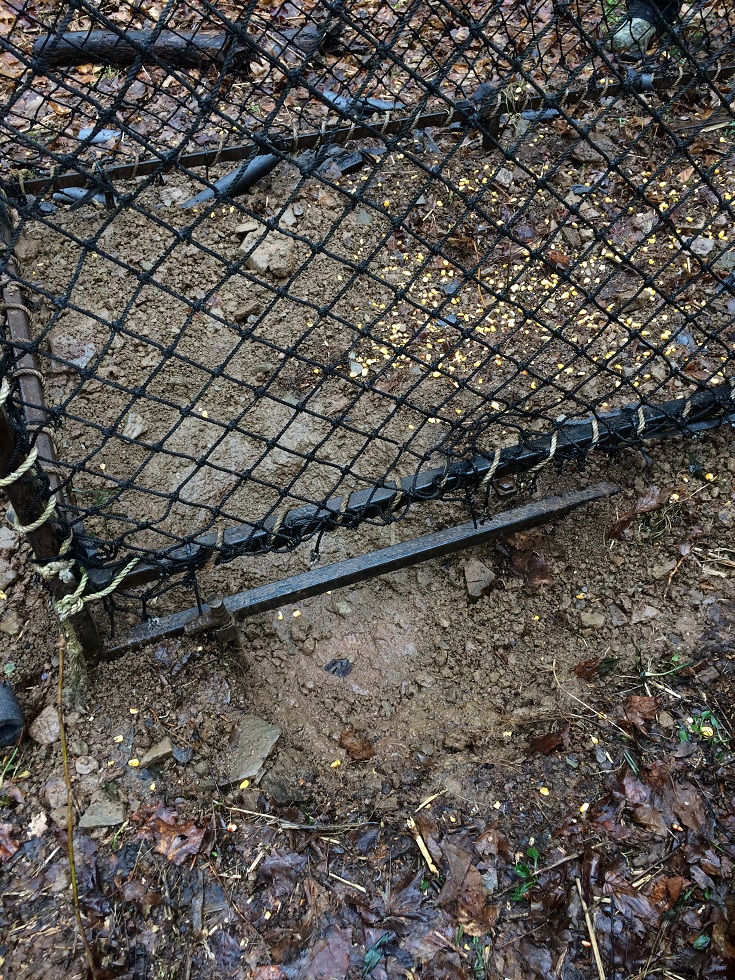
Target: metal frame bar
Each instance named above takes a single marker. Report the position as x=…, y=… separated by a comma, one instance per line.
x=360, y=569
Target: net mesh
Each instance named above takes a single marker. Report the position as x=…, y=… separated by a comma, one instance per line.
x=279, y=260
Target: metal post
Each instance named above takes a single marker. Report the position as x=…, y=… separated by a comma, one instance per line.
x=29, y=492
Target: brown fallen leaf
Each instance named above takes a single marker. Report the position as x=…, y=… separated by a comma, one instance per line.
x=8, y=846
x=357, y=747
x=546, y=744
x=651, y=500
x=558, y=260
x=587, y=669
x=175, y=841
x=640, y=709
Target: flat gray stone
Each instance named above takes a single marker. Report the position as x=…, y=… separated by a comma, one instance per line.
x=252, y=742
x=8, y=575
x=103, y=813
x=45, y=729
x=157, y=753
x=644, y=614
x=8, y=539
x=592, y=620
x=478, y=579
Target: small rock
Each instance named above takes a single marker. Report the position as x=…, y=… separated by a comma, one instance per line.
x=288, y=218
x=363, y=217
x=85, y=764
x=8, y=575
x=283, y=259
x=59, y=816
x=457, y=741
x=251, y=744
x=617, y=616
x=504, y=177
x=709, y=676
x=246, y=227
x=282, y=789
x=11, y=623
x=342, y=607
x=663, y=570
x=592, y=620
x=702, y=245
x=250, y=307
x=309, y=645
x=103, y=813
x=182, y=754
x=78, y=746
x=55, y=792
x=157, y=753
x=135, y=426
x=8, y=539
x=666, y=720
x=478, y=579
x=644, y=614
x=44, y=729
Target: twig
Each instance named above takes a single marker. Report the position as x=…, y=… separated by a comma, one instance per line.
x=411, y=824
x=333, y=828
x=599, y=714
x=70, y=816
x=591, y=931
x=352, y=884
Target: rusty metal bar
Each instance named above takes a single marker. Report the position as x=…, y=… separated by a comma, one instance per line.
x=28, y=494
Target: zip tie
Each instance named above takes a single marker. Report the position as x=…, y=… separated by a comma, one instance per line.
x=26, y=465
x=70, y=605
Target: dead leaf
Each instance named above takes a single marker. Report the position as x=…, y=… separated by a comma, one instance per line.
x=640, y=710
x=175, y=841
x=546, y=744
x=587, y=669
x=651, y=500
x=558, y=260
x=357, y=747
x=8, y=846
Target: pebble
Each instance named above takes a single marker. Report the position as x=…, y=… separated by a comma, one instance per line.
x=103, y=813
x=157, y=753
x=252, y=742
x=86, y=764
x=8, y=575
x=44, y=729
x=342, y=607
x=592, y=620
x=11, y=623
x=479, y=579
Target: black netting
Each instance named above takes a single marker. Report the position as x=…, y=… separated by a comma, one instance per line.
x=294, y=266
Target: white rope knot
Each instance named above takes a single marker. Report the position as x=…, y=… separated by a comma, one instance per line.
x=70, y=605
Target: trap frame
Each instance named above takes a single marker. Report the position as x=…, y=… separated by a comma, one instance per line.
x=498, y=316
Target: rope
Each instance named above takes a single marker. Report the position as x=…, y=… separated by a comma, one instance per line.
x=70, y=605
x=26, y=465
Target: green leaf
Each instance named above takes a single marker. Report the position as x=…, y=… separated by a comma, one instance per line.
x=534, y=855
x=374, y=955
x=701, y=942
x=9, y=668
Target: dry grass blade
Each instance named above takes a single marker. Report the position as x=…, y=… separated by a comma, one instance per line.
x=591, y=932
x=70, y=812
